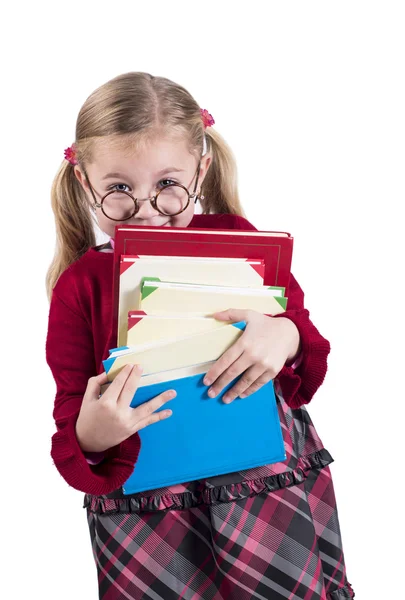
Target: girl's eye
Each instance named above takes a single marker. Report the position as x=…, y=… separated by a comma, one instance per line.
x=119, y=187
x=165, y=182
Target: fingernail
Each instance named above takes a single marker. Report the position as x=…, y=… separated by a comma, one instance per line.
x=211, y=393
x=207, y=381
x=227, y=399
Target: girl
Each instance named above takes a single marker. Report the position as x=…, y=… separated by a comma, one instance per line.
x=269, y=532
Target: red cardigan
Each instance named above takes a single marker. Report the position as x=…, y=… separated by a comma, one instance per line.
x=80, y=335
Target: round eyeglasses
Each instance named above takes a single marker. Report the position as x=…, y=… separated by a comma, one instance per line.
x=171, y=200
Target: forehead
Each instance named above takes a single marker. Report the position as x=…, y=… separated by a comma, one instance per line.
x=143, y=155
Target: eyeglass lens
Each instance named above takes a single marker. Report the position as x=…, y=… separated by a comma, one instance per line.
x=120, y=205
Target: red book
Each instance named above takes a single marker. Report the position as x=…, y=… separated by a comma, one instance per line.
x=274, y=247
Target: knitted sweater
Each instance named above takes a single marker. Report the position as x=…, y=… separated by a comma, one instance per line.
x=80, y=335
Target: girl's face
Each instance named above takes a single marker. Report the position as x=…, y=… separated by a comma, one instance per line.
x=142, y=173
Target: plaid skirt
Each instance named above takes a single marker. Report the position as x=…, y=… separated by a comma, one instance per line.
x=266, y=533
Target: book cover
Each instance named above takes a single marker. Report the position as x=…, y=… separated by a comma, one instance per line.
x=160, y=297
x=177, y=353
x=204, y=437
x=275, y=248
x=225, y=271
x=143, y=327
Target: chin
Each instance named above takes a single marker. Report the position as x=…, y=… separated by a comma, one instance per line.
x=148, y=223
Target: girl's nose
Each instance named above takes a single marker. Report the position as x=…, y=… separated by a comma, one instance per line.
x=145, y=209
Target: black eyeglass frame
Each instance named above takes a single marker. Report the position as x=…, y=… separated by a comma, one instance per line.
x=152, y=199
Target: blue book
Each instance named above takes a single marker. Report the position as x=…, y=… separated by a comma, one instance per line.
x=204, y=437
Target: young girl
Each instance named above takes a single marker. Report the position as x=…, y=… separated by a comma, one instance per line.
x=270, y=532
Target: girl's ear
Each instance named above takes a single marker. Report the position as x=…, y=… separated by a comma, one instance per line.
x=204, y=166
x=84, y=183
x=81, y=178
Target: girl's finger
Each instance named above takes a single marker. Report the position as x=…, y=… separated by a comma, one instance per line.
x=144, y=411
x=94, y=387
x=153, y=418
x=265, y=378
x=252, y=380
x=115, y=388
x=224, y=362
x=130, y=386
x=233, y=371
x=232, y=314
x=99, y=380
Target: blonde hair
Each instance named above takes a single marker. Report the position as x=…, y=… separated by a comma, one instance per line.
x=140, y=105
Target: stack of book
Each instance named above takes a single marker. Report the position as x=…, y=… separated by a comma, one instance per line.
x=168, y=282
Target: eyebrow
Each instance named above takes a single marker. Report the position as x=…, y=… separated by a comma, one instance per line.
x=168, y=170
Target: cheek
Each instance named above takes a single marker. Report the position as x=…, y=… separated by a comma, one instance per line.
x=106, y=225
x=183, y=219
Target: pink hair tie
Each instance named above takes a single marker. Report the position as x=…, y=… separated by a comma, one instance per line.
x=207, y=119
x=70, y=155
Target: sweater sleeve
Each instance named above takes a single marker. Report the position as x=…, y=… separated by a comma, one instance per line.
x=70, y=356
x=300, y=381
x=300, y=384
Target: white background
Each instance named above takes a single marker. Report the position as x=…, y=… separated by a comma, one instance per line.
x=310, y=96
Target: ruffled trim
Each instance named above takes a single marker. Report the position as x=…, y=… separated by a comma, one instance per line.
x=344, y=593
x=210, y=496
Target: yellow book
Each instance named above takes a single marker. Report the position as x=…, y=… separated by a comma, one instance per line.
x=172, y=374
x=143, y=328
x=162, y=297
x=175, y=354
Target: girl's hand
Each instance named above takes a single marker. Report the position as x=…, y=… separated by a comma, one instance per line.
x=260, y=353
x=108, y=420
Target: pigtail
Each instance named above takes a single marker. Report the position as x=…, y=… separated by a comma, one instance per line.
x=220, y=184
x=74, y=224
